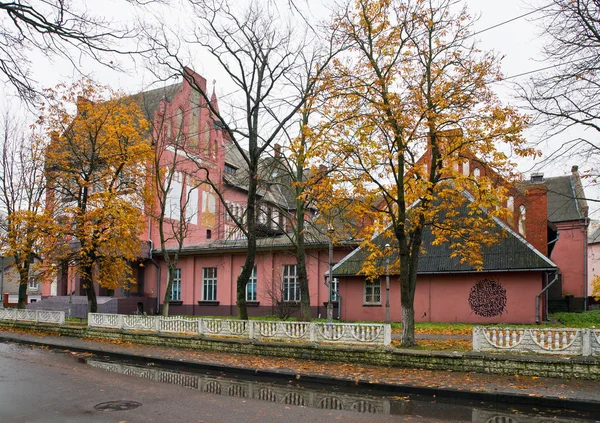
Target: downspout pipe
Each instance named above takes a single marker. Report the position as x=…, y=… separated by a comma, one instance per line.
x=537, y=297
x=585, y=264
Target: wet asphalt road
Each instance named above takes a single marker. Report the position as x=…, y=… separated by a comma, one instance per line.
x=42, y=386
x=39, y=385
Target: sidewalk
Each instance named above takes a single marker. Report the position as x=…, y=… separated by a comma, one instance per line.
x=571, y=394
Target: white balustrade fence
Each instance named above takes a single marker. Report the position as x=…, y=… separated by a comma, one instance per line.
x=339, y=333
x=37, y=316
x=557, y=341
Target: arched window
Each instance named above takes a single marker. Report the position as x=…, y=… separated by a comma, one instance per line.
x=510, y=205
x=476, y=173
x=522, y=219
x=466, y=169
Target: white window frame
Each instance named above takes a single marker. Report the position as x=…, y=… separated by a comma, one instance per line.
x=372, y=292
x=335, y=286
x=209, y=284
x=33, y=284
x=252, y=282
x=290, y=286
x=176, y=293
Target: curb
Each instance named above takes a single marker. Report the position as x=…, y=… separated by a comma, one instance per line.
x=493, y=397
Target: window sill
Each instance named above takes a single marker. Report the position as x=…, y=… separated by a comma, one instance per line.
x=175, y=302
x=290, y=303
x=208, y=303
x=371, y=305
x=252, y=303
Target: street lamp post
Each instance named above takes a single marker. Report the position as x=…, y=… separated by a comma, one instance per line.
x=387, y=283
x=329, y=278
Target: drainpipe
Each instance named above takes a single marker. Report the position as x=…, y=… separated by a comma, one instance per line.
x=585, y=263
x=537, y=297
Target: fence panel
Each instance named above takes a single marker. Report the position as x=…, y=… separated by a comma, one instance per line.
x=41, y=316
x=338, y=333
x=548, y=341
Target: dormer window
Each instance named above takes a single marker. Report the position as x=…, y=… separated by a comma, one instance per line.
x=230, y=169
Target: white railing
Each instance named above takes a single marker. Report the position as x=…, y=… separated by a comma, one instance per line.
x=37, y=316
x=338, y=333
x=557, y=341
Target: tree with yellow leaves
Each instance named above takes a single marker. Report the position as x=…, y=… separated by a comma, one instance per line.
x=21, y=198
x=97, y=183
x=411, y=102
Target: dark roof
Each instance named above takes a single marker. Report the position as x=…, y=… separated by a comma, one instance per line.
x=511, y=253
x=149, y=101
x=275, y=188
x=313, y=239
x=594, y=238
x=565, y=198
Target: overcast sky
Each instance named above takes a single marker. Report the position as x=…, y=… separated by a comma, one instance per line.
x=519, y=41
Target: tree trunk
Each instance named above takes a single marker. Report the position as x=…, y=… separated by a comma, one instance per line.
x=408, y=324
x=165, y=308
x=168, y=290
x=88, y=285
x=23, y=281
x=251, y=213
x=22, y=296
x=305, y=312
x=244, y=277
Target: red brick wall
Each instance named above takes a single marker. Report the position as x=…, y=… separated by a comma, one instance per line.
x=536, y=217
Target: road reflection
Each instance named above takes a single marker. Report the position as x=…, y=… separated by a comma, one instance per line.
x=296, y=395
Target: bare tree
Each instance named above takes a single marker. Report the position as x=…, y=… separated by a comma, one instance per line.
x=172, y=209
x=567, y=95
x=21, y=196
x=53, y=28
x=264, y=54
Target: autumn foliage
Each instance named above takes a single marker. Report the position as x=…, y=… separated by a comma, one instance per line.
x=96, y=165
x=411, y=103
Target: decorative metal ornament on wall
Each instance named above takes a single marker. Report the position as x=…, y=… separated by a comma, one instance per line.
x=487, y=298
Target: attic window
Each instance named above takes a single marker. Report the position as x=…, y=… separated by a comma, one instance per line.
x=230, y=169
x=522, y=218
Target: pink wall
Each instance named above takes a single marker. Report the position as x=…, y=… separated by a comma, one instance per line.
x=269, y=266
x=445, y=298
x=593, y=265
x=570, y=257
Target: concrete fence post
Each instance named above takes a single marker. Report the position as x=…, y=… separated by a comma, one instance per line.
x=476, y=346
x=387, y=335
x=586, y=342
x=157, y=323
x=200, y=326
x=312, y=328
x=250, y=329
x=121, y=321
x=37, y=316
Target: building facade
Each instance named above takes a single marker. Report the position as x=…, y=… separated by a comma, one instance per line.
x=542, y=246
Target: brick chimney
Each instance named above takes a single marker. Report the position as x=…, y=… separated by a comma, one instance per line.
x=277, y=149
x=536, y=217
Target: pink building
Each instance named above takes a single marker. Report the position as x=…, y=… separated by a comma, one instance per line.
x=544, y=246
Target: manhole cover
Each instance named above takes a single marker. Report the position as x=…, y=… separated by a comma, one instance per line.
x=117, y=405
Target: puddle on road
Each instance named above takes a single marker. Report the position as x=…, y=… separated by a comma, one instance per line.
x=336, y=398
